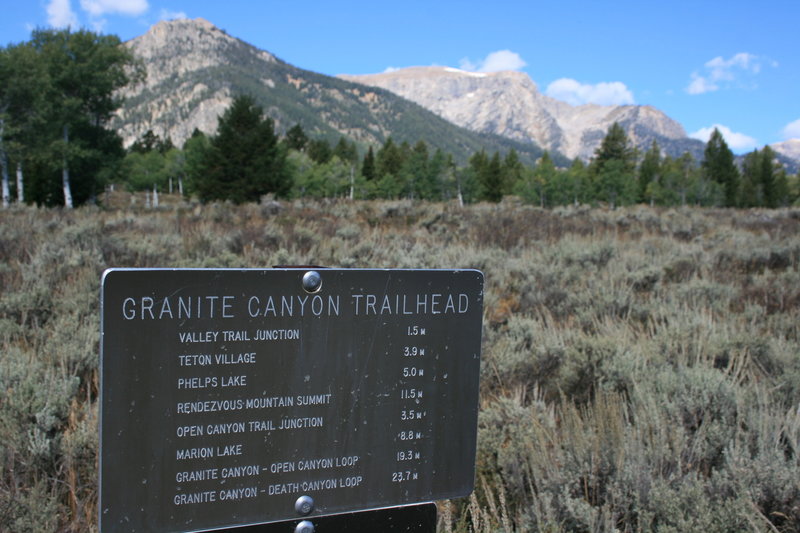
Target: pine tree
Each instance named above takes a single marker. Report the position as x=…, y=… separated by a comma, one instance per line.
x=513, y=171
x=767, y=175
x=417, y=169
x=389, y=159
x=491, y=179
x=296, y=138
x=244, y=160
x=750, y=193
x=368, y=166
x=718, y=166
x=346, y=151
x=319, y=150
x=615, y=147
x=649, y=170
x=612, y=168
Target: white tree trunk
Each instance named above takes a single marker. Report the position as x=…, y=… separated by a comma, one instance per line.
x=155, y=196
x=6, y=190
x=20, y=188
x=65, y=172
x=4, y=166
x=352, y=182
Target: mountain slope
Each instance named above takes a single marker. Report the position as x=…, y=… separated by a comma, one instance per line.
x=510, y=104
x=788, y=153
x=195, y=69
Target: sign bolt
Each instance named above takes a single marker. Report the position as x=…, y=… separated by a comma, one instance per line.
x=304, y=505
x=312, y=281
x=304, y=527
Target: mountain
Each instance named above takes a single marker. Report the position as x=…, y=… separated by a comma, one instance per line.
x=194, y=70
x=788, y=154
x=510, y=104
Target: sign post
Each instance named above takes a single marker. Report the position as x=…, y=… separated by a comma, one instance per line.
x=241, y=397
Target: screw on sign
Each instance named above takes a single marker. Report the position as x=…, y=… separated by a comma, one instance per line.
x=312, y=281
x=304, y=527
x=304, y=505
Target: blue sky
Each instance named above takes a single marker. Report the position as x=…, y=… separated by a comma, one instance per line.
x=732, y=64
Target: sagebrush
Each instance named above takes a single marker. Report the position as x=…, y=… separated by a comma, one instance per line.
x=640, y=372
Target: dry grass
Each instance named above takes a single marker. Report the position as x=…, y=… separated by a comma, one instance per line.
x=641, y=367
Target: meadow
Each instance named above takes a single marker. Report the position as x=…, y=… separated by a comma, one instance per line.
x=640, y=366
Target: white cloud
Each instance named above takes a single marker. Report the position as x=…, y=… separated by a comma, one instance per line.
x=60, y=14
x=172, y=15
x=98, y=8
x=721, y=73
x=700, y=85
x=792, y=130
x=736, y=141
x=603, y=93
x=494, y=62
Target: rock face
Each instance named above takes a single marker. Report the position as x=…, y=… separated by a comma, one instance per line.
x=510, y=104
x=788, y=154
x=790, y=149
x=175, y=53
x=194, y=70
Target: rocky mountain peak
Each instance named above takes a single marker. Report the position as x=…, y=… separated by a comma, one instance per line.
x=179, y=56
x=510, y=104
x=183, y=45
x=790, y=148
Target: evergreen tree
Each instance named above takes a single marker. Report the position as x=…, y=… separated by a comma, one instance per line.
x=438, y=172
x=649, y=170
x=612, y=168
x=194, y=153
x=718, y=166
x=471, y=180
x=418, y=171
x=296, y=138
x=614, y=147
x=368, y=166
x=768, y=173
x=319, y=150
x=389, y=159
x=513, y=171
x=346, y=151
x=244, y=160
x=145, y=143
x=782, y=194
x=491, y=179
x=750, y=193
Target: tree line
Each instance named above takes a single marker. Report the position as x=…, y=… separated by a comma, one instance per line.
x=59, y=90
x=223, y=167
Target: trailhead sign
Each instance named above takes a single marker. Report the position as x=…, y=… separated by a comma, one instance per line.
x=237, y=397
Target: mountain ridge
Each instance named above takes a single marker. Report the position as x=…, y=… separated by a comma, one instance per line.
x=194, y=70
x=509, y=103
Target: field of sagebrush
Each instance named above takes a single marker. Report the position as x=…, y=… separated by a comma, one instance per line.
x=640, y=372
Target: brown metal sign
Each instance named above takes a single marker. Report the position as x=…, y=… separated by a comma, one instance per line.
x=236, y=397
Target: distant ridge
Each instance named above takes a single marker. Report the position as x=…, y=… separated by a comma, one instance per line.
x=788, y=154
x=194, y=70
x=510, y=104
